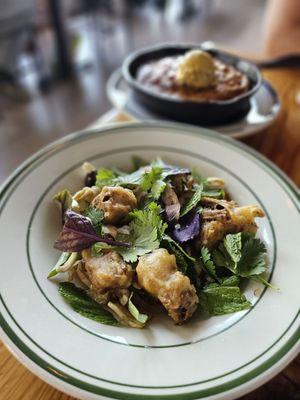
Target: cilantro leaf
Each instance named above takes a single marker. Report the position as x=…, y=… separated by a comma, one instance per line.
x=84, y=305
x=146, y=230
x=105, y=177
x=253, y=260
x=208, y=264
x=193, y=201
x=220, y=300
x=96, y=216
x=243, y=254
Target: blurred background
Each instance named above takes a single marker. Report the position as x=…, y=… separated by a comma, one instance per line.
x=56, y=56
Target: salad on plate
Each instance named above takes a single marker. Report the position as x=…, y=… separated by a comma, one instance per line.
x=160, y=238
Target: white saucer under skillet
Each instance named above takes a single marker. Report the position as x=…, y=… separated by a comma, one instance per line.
x=265, y=106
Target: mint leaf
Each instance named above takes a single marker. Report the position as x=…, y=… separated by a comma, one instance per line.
x=96, y=216
x=142, y=318
x=220, y=300
x=183, y=260
x=208, y=263
x=84, y=305
x=193, y=201
x=233, y=245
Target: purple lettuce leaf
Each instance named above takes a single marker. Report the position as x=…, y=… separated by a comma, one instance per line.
x=78, y=233
x=189, y=228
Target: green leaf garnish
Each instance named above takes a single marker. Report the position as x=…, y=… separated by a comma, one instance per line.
x=105, y=177
x=64, y=263
x=183, y=259
x=146, y=230
x=96, y=216
x=84, y=305
x=220, y=300
x=243, y=254
x=142, y=318
x=193, y=201
x=64, y=199
x=208, y=264
x=214, y=193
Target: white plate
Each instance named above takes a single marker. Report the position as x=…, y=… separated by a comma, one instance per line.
x=221, y=357
x=264, y=108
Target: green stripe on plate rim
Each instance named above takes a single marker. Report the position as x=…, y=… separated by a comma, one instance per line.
x=212, y=136
x=133, y=150
x=128, y=150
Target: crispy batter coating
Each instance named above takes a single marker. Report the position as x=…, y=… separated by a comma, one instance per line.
x=107, y=272
x=230, y=219
x=158, y=275
x=84, y=197
x=116, y=202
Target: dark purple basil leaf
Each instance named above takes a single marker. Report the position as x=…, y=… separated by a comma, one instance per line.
x=189, y=228
x=90, y=179
x=78, y=233
x=172, y=212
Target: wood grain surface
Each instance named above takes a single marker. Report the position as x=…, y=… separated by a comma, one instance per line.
x=281, y=144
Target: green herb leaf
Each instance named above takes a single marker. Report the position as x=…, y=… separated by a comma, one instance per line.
x=242, y=254
x=214, y=193
x=105, y=177
x=233, y=245
x=183, y=260
x=64, y=199
x=96, y=216
x=98, y=247
x=64, y=263
x=146, y=230
x=193, y=201
x=220, y=300
x=84, y=305
x=142, y=318
x=208, y=263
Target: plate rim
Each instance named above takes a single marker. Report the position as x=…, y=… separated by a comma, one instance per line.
x=287, y=348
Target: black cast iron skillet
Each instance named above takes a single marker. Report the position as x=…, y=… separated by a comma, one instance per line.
x=206, y=113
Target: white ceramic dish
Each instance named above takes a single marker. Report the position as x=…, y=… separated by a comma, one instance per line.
x=221, y=357
x=264, y=108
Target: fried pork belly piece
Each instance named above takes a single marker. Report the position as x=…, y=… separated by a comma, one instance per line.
x=116, y=202
x=226, y=217
x=105, y=273
x=158, y=275
x=84, y=197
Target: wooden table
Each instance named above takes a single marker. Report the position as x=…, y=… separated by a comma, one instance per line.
x=281, y=144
